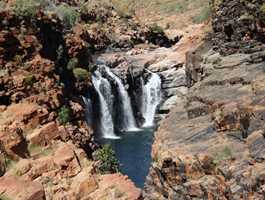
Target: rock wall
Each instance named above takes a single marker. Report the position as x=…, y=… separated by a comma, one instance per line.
x=238, y=25
x=211, y=144
x=45, y=143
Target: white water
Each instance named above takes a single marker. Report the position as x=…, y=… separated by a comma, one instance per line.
x=151, y=98
x=103, y=89
x=129, y=122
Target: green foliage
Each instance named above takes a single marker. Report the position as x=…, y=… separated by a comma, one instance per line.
x=72, y=64
x=180, y=8
x=225, y=154
x=108, y=161
x=64, y=115
x=35, y=149
x=2, y=6
x=4, y=197
x=97, y=10
x=203, y=16
x=29, y=80
x=156, y=28
x=125, y=8
x=68, y=15
x=80, y=73
x=172, y=7
x=9, y=163
x=27, y=8
x=262, y=10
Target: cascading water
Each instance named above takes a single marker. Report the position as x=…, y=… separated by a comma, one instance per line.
x=103, y=88
x=151, y=98
x=129, y=122
x=88, y=110
x=133, y=150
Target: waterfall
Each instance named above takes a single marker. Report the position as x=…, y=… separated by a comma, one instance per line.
x=88, y=111
x=151, y=98
x=129, y=122
x=103, y=88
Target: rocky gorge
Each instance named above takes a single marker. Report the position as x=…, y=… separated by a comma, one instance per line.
x=209, y=141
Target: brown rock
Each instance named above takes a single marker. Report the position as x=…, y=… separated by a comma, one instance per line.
x=65, y=158
x=44, y=135
x=41, y=166
x=2, y=108
x=116, y=186
x=17, y=189
x=194, y=189
x=84, y=184
x=256, y=144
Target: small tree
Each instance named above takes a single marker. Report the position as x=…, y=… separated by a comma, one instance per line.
x=29, y=80
x=80, y=73
x=108, y=162
x=64, y=115
x=68, y=15
x=27, y=8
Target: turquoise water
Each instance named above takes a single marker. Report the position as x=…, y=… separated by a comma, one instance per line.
x=133, y=151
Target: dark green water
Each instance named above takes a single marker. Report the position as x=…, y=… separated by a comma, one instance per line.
x=133, y=151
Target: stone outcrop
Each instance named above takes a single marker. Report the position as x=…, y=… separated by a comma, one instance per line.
x=238, y=26
x=167, y=62
x=211, y=144
x=13, y=188
x=45, y=143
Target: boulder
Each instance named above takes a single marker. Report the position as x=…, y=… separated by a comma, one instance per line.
x=44, y=135
x=84, y=183
x=65, y=158
x=114, y=187
x=17, y=189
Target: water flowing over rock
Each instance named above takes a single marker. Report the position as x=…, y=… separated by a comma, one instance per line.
x=89, y=110
x=151, y=98
x=129, y=123
x=103, y=89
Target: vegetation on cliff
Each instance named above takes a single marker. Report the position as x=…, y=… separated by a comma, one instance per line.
x=107, y=160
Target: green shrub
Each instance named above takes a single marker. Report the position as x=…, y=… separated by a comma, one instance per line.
x=64, y=114
x=180, y=8
x=225, y=154
x=26, y=8
x=96, y=10
x=72, y=63
x=262, y=10
x=29, y=80
x=4, y=197
x=68, y=15
x=80, y=73
x=156, y=28
x=2, y=6
x=9, y=162
x=125, y=8
x=108, y=161
x=203, y=16
x=172, y=7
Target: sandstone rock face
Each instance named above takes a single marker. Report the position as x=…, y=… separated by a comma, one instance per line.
x=41, y=156
x=13, y=188
x=211, y=144
x=45, y=134
x=116, y=186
